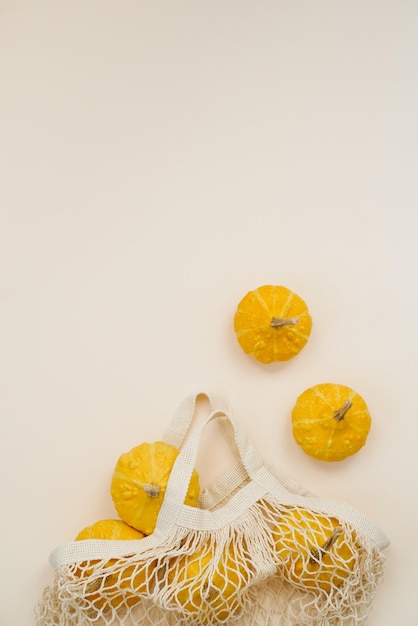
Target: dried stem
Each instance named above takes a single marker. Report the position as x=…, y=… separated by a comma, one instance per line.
x=152, y=490
x=341, y=412
x=279, y=322
x=318, y=553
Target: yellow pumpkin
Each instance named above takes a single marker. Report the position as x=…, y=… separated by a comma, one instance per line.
x=272, y=324
x=102, y=590
x=314, y=550
x=139, y=482
x=205, y=591
x=330, y=422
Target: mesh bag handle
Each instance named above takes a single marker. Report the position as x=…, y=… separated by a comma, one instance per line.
x=184, y=464
x=176, y=432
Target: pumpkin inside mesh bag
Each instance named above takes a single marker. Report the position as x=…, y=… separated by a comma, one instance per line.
x=258, y=549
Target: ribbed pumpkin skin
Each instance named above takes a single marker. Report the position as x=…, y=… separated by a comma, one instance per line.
x=301, y=538
x=330, y=421
x=272, y=324
x=139, y=483
x=112, y=529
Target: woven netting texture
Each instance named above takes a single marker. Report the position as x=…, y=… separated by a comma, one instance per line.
x=275, y=565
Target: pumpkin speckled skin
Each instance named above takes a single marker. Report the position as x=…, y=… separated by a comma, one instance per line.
x=207, y=591
x=139, y=482
x=272, y=324
x=101, y=590
x=301, y=539
x=330, y=421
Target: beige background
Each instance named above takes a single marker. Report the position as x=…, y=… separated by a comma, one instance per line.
x=158, y=161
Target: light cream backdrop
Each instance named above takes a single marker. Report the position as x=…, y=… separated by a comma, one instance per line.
x=159, y=160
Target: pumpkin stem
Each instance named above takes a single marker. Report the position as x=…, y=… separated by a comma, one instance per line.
x=341, y=412
x=278, y=322
x=207, y=591
x=318, y=553
x=151, y=489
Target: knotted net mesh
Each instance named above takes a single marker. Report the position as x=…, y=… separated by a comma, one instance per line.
x=276, y=564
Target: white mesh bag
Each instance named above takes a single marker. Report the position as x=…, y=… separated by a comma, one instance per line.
x=259, y=550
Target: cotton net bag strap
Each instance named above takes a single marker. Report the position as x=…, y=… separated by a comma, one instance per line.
x=181, y=422
x=234, y=476
x=176, y=434
x=248, y=460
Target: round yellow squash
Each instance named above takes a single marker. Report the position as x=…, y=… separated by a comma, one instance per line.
x=139, y=482
x=330, y=421
x=272, y=324
x=314, y=549
x=102, y=591
x=208, y=593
